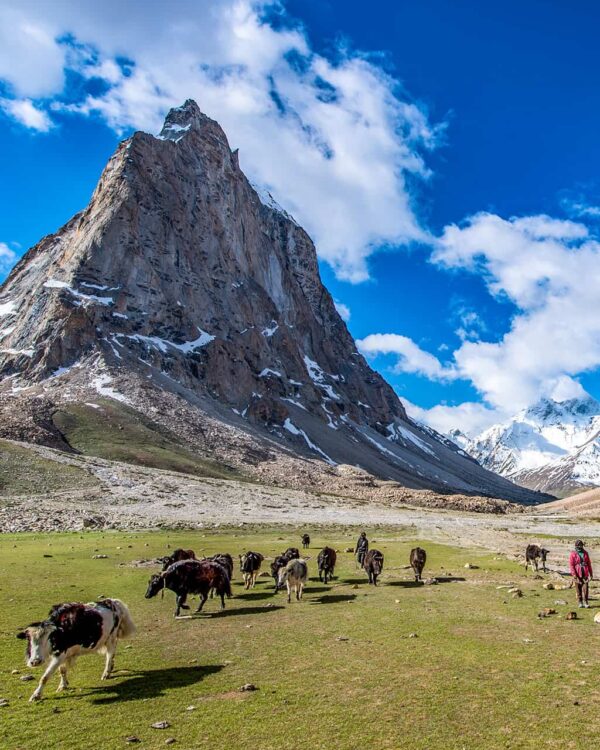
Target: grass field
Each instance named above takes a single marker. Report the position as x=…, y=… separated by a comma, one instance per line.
x=22, y=471
x=118, y=433
x=483, y=671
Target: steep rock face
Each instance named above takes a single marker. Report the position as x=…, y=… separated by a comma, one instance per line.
x=177, y=261
x=180, y=275
x=551, y=446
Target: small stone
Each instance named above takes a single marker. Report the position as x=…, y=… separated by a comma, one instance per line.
x=170, y=741
x=132, y=739
x=26, y=677
x=575, y=703
x=248, y=688
x=597, y=618
x=560, y=602
x=99, y=557
x=430, y=581
x=549, y=586
x=191, y=708
x=547, y=611
x=160, y=725
x=355, y=586
x=15, y=671
x=3, y=702
x=571, y=616
x=527, y=640
x=518, y=594
x=397, y=601
x=342, y=638
x=413, y=635
x=348, y=549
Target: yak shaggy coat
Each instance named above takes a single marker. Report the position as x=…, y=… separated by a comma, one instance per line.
x=72, y=629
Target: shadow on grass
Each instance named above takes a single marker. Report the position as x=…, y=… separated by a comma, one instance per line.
x=355, y=580
x=240, y=611
x=257, y=595
x=316, y=589
x=151, y=683
x=418, y=584
x=334, y=598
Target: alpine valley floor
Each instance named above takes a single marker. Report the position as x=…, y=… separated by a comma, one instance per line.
x=460, y=664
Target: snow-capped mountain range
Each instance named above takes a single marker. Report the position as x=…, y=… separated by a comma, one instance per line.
x=552, y=446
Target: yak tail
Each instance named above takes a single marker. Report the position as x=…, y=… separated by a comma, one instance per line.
x=126, y=624
x=228, y=590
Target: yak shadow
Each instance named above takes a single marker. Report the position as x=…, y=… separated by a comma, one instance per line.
x=151, y=683
x=449, y=579
x=240, y=611
x=254, y=595
x=349, y=581
x=418, y=584
x=316, y=589
x=333, y=598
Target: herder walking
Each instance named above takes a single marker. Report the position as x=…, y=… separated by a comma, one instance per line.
x=581, y=570
x=362, y=547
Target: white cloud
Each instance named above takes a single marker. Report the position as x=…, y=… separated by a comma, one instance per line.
x=8, y=257
x=25, y=112
x=333, y=140
x=471, y=417
x=411, y=358
x=343, y=310
x=550, y=269
x=31, y=60
x=566, y=388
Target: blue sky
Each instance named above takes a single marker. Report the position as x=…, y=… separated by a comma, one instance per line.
x=452, y=179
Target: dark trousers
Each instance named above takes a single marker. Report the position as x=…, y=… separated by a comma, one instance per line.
x=361, y=556
x=582, y=589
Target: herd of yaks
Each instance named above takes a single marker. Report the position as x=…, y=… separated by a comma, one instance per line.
x=73, y=628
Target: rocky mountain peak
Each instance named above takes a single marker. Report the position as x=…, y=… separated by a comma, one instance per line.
x=179, y=279
x=552, y=445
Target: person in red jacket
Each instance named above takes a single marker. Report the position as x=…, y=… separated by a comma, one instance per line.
x=581, y=570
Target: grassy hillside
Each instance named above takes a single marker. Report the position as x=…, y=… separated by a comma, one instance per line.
x=23, y=472
x=483, y=671
x=116, y=432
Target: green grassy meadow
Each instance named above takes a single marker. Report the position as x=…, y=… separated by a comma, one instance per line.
x=118, y=433
x=482, y=672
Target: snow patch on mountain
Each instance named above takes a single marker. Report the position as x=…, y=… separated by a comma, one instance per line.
x=552, y=445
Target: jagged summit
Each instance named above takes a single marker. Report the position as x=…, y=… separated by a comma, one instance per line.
x=551, y=446
x=179, y=285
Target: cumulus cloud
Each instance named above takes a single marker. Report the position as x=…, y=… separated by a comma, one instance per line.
x=411, y=358
x=334, y=139
x=550, y=270
x=26, y=113
x=343, y=310
x=8, y=258
x=470, y=417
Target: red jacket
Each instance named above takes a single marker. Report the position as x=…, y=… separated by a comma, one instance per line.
x=577, y=569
